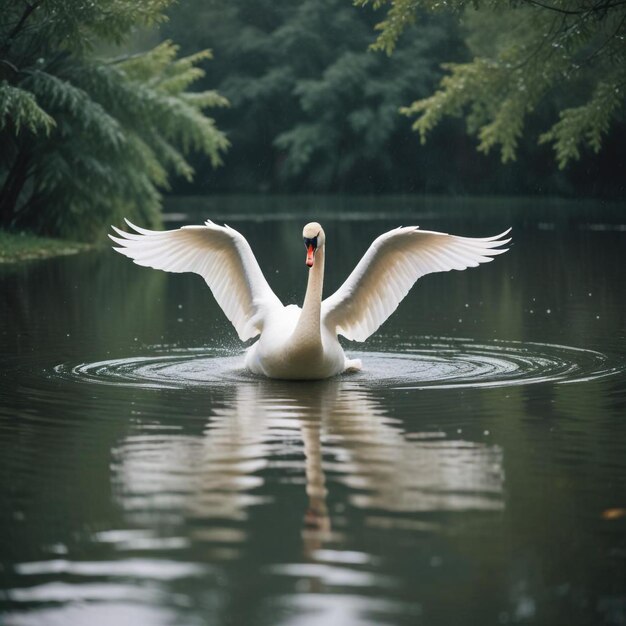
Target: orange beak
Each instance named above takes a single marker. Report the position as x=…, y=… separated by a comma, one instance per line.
x=310, y=255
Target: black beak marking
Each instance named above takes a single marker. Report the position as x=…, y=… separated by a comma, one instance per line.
x=310, y=242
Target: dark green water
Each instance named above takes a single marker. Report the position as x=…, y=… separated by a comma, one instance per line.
x=474, y=473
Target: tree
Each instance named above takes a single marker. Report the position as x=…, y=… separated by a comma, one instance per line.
x=86, y=140
x=570, y=52
x=312, y=108
x=349, y=135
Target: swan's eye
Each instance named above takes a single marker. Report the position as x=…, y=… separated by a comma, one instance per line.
x=310, y=242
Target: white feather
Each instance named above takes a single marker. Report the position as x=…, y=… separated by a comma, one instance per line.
x=294, y=342
x=389, y=269
x=221, y=255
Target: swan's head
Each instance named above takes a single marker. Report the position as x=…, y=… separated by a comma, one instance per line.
x=314, y=238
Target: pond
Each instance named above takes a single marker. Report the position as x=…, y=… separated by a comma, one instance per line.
x=473, y=473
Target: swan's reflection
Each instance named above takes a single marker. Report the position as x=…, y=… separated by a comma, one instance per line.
x=257, y=440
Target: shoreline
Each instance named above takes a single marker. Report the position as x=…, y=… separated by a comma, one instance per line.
x=23, y=246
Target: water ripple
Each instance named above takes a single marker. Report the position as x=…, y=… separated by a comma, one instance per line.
x=429, y=363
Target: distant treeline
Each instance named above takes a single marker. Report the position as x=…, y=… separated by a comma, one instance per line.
x=312, y=109
x=95, y=127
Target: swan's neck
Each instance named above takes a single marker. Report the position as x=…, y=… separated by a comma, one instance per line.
x=308, y=327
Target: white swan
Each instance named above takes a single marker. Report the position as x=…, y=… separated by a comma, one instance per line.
x=302, y=343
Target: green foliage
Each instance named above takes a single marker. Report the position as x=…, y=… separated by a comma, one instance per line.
x=401, y=14
x=349, y=113
x=312, y=108
x=585, y=125
x=74, y=25
x=19, y=108
x=496, y=118
x=87, y=140
x=568, y=52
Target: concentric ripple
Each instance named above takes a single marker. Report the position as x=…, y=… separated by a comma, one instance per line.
x=433, y=363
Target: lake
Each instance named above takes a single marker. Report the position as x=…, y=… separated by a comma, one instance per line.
x=473, y=473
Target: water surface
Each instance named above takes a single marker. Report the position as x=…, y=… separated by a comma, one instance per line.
x=473, y=473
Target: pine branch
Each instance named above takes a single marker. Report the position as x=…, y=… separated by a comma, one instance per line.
x=30, y=8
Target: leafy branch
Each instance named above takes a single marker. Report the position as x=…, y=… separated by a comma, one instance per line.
x=497, y=90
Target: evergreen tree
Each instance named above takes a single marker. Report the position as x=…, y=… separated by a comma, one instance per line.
x=311, y=108
x=349, y=134
x=524, y=52
x=86, y=140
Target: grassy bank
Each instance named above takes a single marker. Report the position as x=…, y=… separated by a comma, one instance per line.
x=23, y=247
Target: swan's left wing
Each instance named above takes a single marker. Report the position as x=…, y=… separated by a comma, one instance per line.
x=221, y=255
x=390, y=267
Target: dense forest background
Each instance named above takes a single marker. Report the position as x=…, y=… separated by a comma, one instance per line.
x=313, y=109
x=107, y=105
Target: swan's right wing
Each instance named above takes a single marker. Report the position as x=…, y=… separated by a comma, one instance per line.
x=390, y=267
x=221, y=255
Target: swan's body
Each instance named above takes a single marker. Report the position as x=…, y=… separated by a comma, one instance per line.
x=302, y=343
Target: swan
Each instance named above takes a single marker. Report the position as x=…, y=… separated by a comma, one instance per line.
x=302, y=343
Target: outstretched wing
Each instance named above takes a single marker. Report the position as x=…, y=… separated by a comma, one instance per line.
x=220, y=254
x=390, y=267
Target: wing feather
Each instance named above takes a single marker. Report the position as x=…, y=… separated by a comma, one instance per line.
x=219, y=254
x=389, y=269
